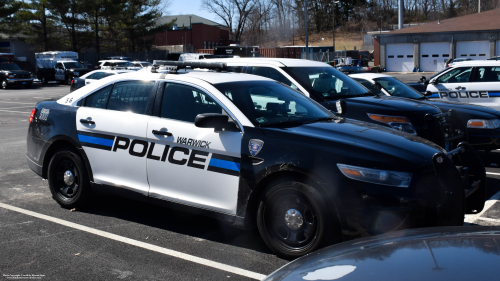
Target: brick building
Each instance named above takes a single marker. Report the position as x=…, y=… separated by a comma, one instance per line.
x=206, y=34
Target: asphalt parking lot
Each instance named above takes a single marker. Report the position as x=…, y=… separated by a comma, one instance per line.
x=116, y=238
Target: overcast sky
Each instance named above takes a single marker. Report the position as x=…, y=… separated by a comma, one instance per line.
x=182, y=7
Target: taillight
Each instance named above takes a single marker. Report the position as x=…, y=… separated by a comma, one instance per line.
x=71, y=82
x=32, y=114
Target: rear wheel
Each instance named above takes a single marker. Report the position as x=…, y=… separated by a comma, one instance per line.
x=293, y=220
x=68, y=179
x=4, y=84
x=28, y=86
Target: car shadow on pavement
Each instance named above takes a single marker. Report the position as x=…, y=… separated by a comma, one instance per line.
x=177, y=221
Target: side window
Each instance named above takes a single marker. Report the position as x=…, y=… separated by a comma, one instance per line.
x=98, y=99
x=131, y=96
x=457, y=75
x=91, y=76
x=109, y=74
x=184, y=103
x=236, y=69
x=107, y=64
x=137, y=65
x=59, y=65
x=99, y=75
x=488, y=74
x=272, y=74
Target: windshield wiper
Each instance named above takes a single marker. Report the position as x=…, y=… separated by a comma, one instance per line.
x=321, y=119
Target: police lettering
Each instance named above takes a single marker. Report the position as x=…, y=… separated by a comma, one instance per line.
x=472, y=94
x=176, y=155
x=193, y=142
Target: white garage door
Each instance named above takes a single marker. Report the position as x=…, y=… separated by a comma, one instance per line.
x=399, y=57
x=497, y=51
x=476, y=50
x=434, y=55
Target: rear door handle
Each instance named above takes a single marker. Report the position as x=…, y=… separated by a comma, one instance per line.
x=162, y=133
x=86, y=121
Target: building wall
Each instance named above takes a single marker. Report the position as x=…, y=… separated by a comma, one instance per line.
x=19, y=49
x=204, y=37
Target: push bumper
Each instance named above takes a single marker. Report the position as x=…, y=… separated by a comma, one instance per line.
x=445, y=129
x=19, y=81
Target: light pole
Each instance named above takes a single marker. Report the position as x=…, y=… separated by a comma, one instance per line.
x=333, y=11
x=191, y=31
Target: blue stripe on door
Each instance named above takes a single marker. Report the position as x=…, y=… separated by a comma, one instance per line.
x=224, y=164
x=494, y=94
x=95, y=140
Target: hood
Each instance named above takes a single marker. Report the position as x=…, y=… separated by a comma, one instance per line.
x=353, y=141
x=444, y=253
x=16, y=71
x=386, y=106
x=471, y=110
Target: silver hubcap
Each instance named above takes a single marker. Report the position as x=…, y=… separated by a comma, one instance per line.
x=69, y=179
x=294, y=219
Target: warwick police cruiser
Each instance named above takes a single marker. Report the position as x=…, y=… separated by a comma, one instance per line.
x=251, y=152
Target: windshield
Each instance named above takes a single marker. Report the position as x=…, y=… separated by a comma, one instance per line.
x=268, y=103
x=326, y=82
x=73, y=65
x=9, y=66
x=444, y=70
x=397, y=88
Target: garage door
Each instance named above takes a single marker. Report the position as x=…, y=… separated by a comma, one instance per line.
x=497, y=51
x=399, y=57
x=434, y=55
x=476, y=50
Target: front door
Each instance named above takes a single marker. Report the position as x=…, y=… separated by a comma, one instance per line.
x=59, y=71
x=112, y=126
x=485, y=89
x=453, y=85
x=191, y=165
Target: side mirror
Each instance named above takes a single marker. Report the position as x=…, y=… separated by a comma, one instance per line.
x=428, y=94
x=214, y=120
x=341, y=106
x=423, y=78
x=377, y=87
x=434, y=82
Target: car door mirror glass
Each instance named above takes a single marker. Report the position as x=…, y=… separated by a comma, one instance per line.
x=214, y=120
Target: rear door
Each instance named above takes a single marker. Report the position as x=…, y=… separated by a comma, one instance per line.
x=112, y=125
x=191, y=165
x=452, y=85
x=485, y=87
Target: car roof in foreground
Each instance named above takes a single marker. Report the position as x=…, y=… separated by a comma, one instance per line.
x=202, y=76
x=275, y=61
x=368, y=75
x=477, y=63
x=443, y=253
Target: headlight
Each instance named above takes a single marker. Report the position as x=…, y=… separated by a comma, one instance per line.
x=391, y=178
x=11, y=76
x=483, y=124
x=32, y=76
x=397, y=122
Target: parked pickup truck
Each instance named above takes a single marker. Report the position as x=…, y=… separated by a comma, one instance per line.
x=59, y=66
x=12, y=74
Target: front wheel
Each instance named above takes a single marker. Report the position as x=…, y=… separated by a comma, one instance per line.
x=293, y=220
x=68, y=179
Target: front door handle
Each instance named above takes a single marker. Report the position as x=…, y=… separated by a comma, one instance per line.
x=87, y=121
x=162, y=133
x=460, y=88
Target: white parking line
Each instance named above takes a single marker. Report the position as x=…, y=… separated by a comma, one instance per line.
x=12, y=111
x=490, y=202
x=202, y=261
x=496, y=174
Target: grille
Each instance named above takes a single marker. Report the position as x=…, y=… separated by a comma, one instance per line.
x=22, y=76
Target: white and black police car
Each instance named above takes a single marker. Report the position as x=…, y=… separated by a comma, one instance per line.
x=250, y=151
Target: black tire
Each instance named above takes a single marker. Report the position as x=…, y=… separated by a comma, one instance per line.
x=43, y=79
x=68, y=80
x=320, y=226
x=4, y=84
x=28, y=86
x=76, y=194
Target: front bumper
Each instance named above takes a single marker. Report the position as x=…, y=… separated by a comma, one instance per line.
x=484, y=139
x=19, y=81
x=438, y=196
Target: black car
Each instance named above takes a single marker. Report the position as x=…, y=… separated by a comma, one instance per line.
x=251, y=152
x=11, y=74
x=430, y=254
x=480, y=124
